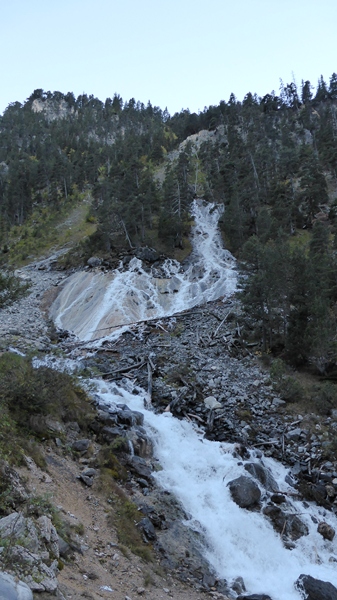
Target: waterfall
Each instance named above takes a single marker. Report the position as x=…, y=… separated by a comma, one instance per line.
x=239, y=542
x=100, y=306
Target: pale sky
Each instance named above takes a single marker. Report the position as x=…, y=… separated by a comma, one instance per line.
x=175, y=53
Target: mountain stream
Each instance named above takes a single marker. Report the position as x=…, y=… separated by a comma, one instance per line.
x=98, y=307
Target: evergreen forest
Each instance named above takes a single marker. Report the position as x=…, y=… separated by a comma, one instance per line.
x=271, y=161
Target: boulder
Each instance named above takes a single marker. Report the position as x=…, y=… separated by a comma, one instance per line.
x=11, y=589
x=148, y=529
x=211, y=402
x=94, y=261
x=245, y=492
x=287, y=524
x=263, y=475
x=147, y=254
x=255, y=597
x=141, y=443
x=315, y=589
x=139, y=466
x=326, y=531
x=81, y=445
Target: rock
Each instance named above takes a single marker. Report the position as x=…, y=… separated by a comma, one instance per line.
x=11, y=589
x=278, y=498
x=286, y=523
x=142, y=444
x=14, y=525
x=64, y=548
x=32, y=570
x=110, y=434
x=263, y=475
x=147, y=528
x=81, y=445
x=94, y=261
x=315, y=589
x=255, y=597
x=140, y=466
x=245, y=492
x=212, y=402
x=87, y=480
x=148, y=254
x=89, y=472
x=326, y=531
x=238, y=585
x=294, y=434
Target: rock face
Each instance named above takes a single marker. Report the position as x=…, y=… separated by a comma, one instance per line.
x=36, y=561
x=245, y=492
x=315, y=589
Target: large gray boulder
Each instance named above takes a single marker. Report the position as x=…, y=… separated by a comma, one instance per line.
x=11, y=589
x=315, y=589
x=286, y=523
x=263, y=475
x=245, y=492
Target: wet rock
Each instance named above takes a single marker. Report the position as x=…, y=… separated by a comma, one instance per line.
x=238, y=585
x=263, y=475
x=141, y=442
x=278, y=498
x=245, y=492
x=315, y=589
x=326, y=531
x=254, y=597
x=286, y=524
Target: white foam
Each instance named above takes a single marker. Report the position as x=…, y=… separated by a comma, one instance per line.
x=240, y=542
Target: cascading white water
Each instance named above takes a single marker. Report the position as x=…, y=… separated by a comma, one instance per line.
x=240, y=542
x=95, y=305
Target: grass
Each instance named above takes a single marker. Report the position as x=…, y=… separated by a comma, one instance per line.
x=48, y=229
x=124, y=519
x=28, y=397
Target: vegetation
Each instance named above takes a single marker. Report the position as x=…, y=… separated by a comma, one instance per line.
x=271, y=161
x=30, y=399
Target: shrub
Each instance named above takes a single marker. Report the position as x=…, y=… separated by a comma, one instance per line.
x=27, y=392
x=325, y=398
x=288, y=387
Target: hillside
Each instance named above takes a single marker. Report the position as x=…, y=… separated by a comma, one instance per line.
x=114, y=181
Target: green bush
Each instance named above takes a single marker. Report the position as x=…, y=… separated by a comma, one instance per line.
x=324, y=398
x=26, y=393
x=288, y=387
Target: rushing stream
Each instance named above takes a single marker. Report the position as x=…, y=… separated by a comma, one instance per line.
x=239, y=542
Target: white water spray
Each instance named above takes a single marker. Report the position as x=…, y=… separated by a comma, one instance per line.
x=240, y=542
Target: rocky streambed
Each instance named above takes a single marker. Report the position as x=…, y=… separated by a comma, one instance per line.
x=197, y=366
